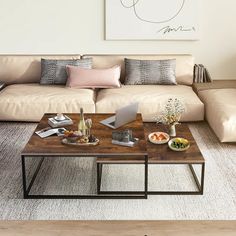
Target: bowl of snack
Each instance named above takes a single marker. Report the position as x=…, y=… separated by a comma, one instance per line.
x=158, y=137
x=83, y=139
x=72, y=136
x=179, y=144
x=76, y=138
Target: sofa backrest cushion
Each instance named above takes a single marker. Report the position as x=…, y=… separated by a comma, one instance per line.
x=184, y=64
x=16, y=69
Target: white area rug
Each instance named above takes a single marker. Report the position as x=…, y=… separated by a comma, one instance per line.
x=67, y=175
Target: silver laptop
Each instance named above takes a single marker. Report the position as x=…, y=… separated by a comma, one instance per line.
x=123, y=116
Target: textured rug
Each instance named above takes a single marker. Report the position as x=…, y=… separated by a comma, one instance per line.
x=78, y=175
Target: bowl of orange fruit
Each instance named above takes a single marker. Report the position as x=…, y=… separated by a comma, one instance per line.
x=159, y=137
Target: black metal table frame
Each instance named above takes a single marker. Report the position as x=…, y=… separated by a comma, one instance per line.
x=112, y=195
x=199, y=184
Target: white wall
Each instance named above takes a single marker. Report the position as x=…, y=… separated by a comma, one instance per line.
x=77, y=26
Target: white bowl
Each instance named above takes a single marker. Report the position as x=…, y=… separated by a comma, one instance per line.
x=161, y=141
x=177, y=149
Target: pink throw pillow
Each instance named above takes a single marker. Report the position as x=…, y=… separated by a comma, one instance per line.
x=93, y=78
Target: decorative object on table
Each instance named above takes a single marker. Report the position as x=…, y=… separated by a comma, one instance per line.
x=88, y=123
x=46, y=132
x=82, y=126
x=159, y=137
x=59, y=120
x=95, y=143
x=59, y=117
x=179, y=144
x=124, y=138
x=72, y=136
x=76, y=138
x=172, y=129
x=171, y=114
x=153, y=19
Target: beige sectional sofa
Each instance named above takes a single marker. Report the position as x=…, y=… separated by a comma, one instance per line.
x=24, y=99
x=219, y=98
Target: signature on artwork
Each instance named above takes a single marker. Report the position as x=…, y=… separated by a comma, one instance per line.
x=169, y=29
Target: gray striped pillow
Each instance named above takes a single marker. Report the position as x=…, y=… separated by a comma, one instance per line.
x=54, y=71
x=148, y=72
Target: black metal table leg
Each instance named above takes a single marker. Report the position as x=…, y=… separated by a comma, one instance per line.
x=146, y=177
x=24, y=176
x=199, y=184
x=26, y=189
x=195, y=177
x=99, y=177
x=144, y=193
x=202, y=178
x=107, y=195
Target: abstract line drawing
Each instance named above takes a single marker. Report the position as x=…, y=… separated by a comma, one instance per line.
x=152, y=19
x=135, y=3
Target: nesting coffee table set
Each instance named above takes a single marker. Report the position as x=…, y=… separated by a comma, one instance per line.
x=106, y=153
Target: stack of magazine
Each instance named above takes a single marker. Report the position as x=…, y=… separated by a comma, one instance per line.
x=55, y=123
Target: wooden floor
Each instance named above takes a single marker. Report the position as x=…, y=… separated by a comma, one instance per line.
x=126, y=228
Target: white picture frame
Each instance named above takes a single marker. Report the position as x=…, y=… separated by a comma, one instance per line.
x=152, y=20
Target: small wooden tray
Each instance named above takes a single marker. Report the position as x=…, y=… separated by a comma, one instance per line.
x=65, y=141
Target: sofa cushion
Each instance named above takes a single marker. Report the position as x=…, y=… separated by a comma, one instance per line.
x=215, y=84
x=54, y=71
x=17, y=69
x=184, y=64
x=150, y=72
x=28, y=102
x=93, y=78
x=220, y=108
x=152, y=99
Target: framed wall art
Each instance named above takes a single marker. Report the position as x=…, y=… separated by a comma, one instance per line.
x=152, y=19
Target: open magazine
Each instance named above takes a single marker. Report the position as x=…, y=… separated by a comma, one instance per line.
x=44, y=133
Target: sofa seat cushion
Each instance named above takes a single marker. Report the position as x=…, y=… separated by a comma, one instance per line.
x=152, y=99
x=28, y=102
x=220, y=108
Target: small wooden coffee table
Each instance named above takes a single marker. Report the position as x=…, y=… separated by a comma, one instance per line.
x=163, y=155
x=40, y=149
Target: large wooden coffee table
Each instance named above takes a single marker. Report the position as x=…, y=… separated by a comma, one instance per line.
x=39, y=149
x=162, y=155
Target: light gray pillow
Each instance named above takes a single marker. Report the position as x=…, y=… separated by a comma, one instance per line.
x=148, y=72
x=54, y=71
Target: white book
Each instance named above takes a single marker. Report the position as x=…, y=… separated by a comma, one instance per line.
x=55, y=123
